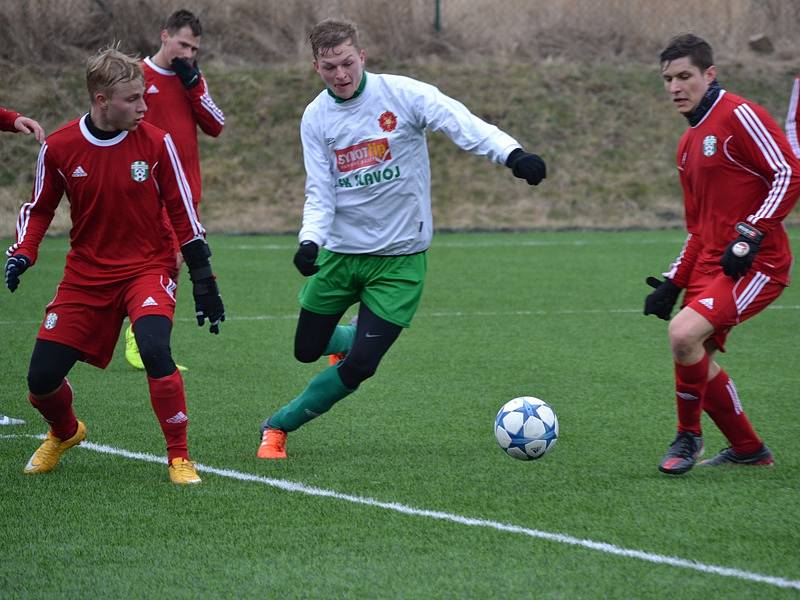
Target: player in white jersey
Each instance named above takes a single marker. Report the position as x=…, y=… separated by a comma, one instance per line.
x=793, y=117
x=367, y=218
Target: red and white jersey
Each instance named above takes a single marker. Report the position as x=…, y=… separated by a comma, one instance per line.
x=7, y=118
x=793, y=117
x=179, y=111
x=735, y=165
x=117, y=191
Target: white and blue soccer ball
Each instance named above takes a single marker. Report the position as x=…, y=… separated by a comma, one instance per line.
x=526, y=428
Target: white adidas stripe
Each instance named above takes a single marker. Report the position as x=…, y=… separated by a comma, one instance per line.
x=750, y=292
x=183, y=186
x=774, y=157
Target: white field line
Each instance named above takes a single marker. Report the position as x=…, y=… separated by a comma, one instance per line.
x=440, y=314
x=291, y=486
x=497, y=243
x=476, y=243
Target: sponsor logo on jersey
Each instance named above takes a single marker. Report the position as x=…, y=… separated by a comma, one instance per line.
x=708, y=303
x=140, y=171
x=388, y=121
x=365, y=154
x=330, y=141
x=369, y=178
x=149, y=302
x=79, y=172
x=709, y=145
x=50, y=320
x=152, y=89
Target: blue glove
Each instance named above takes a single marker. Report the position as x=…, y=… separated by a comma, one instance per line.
x=16, y=266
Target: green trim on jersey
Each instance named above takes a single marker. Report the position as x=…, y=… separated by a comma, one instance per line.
x=390, y=286
x=355, y=95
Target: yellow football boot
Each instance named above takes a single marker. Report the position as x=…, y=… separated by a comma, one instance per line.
x=49, y=453
x=181, y=471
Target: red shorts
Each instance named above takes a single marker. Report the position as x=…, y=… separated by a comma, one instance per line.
x=89, y=318
x=726, y=303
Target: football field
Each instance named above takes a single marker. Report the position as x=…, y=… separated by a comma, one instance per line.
x=401, y=490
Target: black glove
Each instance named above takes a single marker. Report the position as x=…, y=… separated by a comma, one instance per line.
x=16, y=266
x=741, y=252
x=207, y=302
x=187, y=72
x=305, y=258
x=661, y=301
x=529, y=167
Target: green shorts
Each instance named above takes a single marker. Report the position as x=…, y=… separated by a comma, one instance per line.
x=390, y=286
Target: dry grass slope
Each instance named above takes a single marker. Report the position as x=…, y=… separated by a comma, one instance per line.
x=574, y=80
x=259, y=31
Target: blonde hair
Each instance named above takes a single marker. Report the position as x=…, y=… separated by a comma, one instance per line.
x=108, y=68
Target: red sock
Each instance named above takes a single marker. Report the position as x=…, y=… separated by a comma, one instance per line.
x=721, y=402
x=56, y=408
x=690, y=384
x=169, y=404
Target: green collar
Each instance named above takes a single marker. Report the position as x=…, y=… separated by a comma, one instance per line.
x=357, y=93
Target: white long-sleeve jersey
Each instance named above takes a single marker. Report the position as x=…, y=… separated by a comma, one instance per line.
x=367, y=171
x=793, y=118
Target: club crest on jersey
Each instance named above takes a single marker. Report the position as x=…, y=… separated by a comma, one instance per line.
x=709, y=145
x=388, y=121
x=50, y=320
x=140, y=171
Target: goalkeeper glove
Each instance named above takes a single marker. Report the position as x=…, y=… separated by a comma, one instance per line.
x=660, y=301
x=187, y=72
x=529, y=167
x=741, y=252
x=207, y=301
x=305, y=258
x=16, y=266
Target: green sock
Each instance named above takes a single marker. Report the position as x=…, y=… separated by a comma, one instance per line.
x=341, y=340
x=322, y=392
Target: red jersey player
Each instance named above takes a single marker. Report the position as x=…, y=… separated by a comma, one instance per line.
x=17, y=123
x=177, y=95
x=119, y=173
x=178, y=101
x=740, y=179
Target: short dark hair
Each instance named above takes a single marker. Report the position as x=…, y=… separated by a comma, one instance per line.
x=687, y=44
x=332, y=32
x=180, y=19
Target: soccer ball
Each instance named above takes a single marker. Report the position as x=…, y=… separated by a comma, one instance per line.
x=526, y=428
